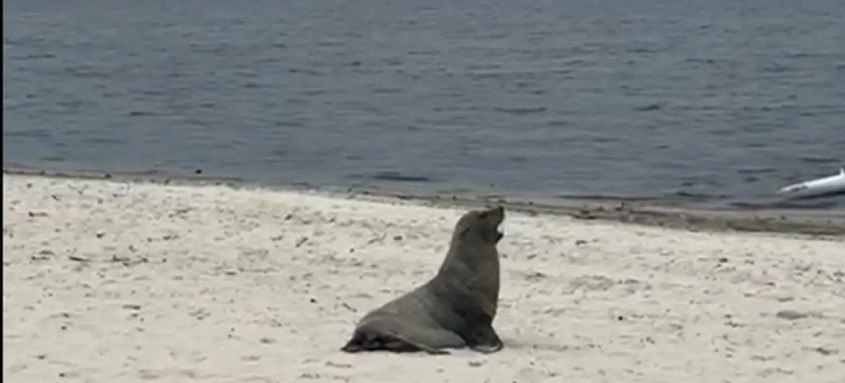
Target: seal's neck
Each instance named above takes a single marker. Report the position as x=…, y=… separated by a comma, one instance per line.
x=471, y=272
x=474, y=262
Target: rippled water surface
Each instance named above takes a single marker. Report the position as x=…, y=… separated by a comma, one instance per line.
x=720, y=99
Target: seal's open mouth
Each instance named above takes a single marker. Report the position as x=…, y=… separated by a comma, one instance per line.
x=499, y=219
x=490, y=221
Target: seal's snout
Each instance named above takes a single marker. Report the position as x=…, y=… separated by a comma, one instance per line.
x=496, y=214
x=494, y=218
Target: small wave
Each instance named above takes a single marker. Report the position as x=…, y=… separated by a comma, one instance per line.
x=755, y=170
x=289, y=124
x=53, y=158
x=399, y=177
x=697, y=196
x=819, y=160
x=102, y=140
x=648, y=108
x=310, y=72
x=387, y=91
x=825, y=203
x=35, y=133
x=140, y=113
x=520, y=111
x=603, y=197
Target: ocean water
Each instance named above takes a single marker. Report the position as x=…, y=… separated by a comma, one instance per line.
x=714, y=100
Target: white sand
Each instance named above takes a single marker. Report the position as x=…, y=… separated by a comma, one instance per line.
x=212, y=284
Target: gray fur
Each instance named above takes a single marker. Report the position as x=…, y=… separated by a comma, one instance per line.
x=455, y=309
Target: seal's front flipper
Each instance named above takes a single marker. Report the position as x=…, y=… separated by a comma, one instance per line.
x=434, y=351
x=484, y=339
x=432, y=339
x=488, y=349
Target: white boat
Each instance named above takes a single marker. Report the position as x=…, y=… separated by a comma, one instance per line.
x=817, y=187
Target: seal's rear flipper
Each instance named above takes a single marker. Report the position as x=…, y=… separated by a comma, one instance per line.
x=372, y=341
x=352, y=347
x=363, y=341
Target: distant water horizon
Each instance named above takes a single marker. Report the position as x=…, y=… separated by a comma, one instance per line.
x=723, y=102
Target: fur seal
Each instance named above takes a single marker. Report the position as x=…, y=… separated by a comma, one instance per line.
x=455, y=309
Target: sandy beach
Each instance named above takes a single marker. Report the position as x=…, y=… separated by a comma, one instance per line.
x=107, y=281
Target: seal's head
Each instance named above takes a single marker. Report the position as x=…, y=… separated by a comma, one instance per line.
x=481, y=224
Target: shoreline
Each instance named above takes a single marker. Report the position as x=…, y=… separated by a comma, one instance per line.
x=639, y=211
